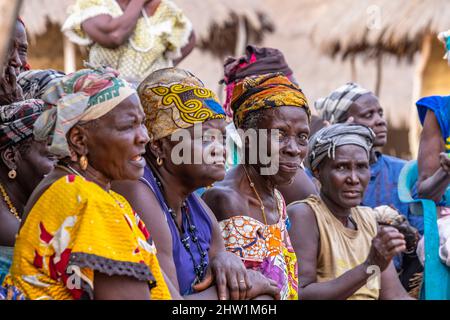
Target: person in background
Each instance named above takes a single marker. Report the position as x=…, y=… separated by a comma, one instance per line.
x=250, y=209
x=354, y=104
x=136, y=37
x=185, y=231
x=342, y=252
x=258, y=61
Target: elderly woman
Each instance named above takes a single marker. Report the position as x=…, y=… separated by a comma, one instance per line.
x=24, y=163
x=258, y=61
x=250, y=209
x=136, y=37
x=80, y=239
x=185, y=231
x=343, y=254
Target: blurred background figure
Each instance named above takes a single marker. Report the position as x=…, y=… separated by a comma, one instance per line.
x=136, y=37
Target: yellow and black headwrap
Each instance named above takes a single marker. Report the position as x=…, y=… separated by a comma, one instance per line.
x=175, y=99
x=265, y=92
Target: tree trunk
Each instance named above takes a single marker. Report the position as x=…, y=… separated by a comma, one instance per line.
x=379, y=75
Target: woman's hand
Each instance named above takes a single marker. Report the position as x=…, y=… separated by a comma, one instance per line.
x=444, y=161
x=262, y=286
x=10, y=91
x=230, y=276
x=387, y=243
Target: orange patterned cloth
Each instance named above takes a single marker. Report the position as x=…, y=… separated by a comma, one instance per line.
x=74, y=229
x=265, y=248
x=265, y=92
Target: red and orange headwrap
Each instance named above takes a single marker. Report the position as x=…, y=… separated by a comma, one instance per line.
x=265, y=92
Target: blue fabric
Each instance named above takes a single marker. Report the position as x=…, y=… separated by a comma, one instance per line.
x=440, y=105
x=436, y=280
x=6, y=255
x=199, y=217
x=383, y=188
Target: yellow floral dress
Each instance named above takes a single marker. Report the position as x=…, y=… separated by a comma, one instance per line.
x=155, y=42
x=74, y=229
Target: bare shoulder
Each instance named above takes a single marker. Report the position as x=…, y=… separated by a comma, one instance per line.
x=225, y=202
x=301, y=210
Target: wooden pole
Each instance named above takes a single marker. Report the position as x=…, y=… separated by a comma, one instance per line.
x=414, y=123
x=379, y=74
x=69, y=56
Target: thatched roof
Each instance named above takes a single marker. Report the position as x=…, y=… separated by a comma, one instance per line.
x=214, y=21
x=374, y=27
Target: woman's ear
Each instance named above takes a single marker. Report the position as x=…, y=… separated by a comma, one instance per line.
x=77, y=139
x=10, y=157
x=156, y=149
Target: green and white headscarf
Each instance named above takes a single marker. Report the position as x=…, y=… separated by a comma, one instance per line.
x=82, y=96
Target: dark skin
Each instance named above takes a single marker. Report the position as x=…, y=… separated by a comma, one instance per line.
x=32, y=161
x=433, y=162
x=234, y=195
x=225, y=269
x=114, y=145
x=112, y=32
x=9, y=90
x=22, y=44
x=343, y=181
x=367, y=111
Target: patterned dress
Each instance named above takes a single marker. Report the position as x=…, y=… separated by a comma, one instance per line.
x=265, y=248
x=74, y=229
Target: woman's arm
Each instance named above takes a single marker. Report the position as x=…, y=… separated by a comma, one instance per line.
x=119, y=288
x=304, y=235
x=434, y=166
x=391, y=288
x=112, y=32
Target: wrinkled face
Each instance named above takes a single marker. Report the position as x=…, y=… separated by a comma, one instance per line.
x=366, y=110
x=116, y=141
x=22, y=44
x=290, y=145
x=35, y=162
x=201, y=153
x=345, y=178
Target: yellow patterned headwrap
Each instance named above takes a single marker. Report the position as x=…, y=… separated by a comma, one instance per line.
x=265, y=92
x=175, y=99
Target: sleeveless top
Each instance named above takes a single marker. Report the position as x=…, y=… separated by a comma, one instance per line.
x=342, y=249
x=264, y=248
x=181, y=257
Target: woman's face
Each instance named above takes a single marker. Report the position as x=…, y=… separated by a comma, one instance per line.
x=201, y=153
x=34, y=163
x=345, y=178
x=22, y=44
x=290, y=145
x=367, y=111
x=116, y=141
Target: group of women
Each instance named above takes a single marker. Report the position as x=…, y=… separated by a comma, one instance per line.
x=94, y=206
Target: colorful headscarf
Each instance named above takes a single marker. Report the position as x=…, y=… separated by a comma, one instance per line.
x=175, y=99
x=265, y=92
x=17, y=121
x=334, y=106
x=445, y=38
x=324, y=143
x=256, y=61
x=82, y=96
x=34, y=83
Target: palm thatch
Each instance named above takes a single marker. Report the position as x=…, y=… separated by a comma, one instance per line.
x=350, y=27
x=215, y=21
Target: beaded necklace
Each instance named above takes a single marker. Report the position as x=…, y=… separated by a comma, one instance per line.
x=9, y=203
x=200, y=268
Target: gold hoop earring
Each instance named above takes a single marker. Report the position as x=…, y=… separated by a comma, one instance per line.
x=159, y=161
x=83, y=163
x=12, y=174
